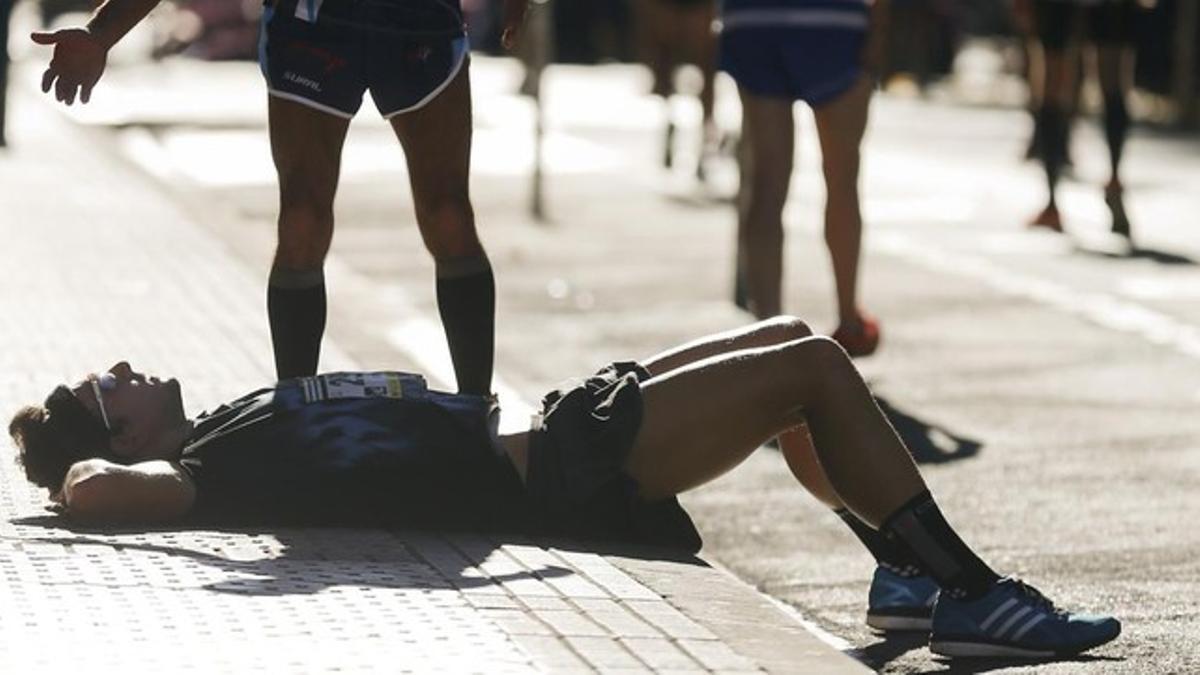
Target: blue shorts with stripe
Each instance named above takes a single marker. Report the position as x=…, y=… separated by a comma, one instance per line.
x=327, y=53
x=807, y=51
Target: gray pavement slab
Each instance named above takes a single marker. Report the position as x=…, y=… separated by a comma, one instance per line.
x=100, y=264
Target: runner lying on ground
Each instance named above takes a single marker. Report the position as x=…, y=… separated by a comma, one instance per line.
x=605, y=460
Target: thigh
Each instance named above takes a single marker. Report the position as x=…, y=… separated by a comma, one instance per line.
x=306, y=145
x=841, y=123
x=701, y=420
x=772, y=331
x=437, y=144
x=770, y=130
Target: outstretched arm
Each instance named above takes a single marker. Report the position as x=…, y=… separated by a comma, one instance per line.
x=80, y=54
x=99, y=491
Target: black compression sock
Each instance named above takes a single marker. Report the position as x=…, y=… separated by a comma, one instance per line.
x=1116, y=127
x=296, y=311
x=920, y=526
x=888, y=554
x=466, y=297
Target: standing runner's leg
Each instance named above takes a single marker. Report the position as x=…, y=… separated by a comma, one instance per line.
x=769, y=129
x=437, y=147
x=306, y=145
x=755, y=394
x=840, y=127
x=1114, y=65
x=1059, y=81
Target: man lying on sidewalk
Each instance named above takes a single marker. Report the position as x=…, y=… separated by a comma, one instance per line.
x=604, y=460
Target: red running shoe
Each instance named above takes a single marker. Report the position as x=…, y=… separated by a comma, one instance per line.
x=860, y=340
x=1048, y=219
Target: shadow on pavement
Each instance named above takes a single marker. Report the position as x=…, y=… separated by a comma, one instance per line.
x=965, y=667
x=929, y=443
x=305, y=561
x=890, y=647
x=1165, y=258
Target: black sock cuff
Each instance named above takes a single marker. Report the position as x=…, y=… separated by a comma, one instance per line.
x=918, y=499
x=295, y=280
x=465, y=266
x=889, y=553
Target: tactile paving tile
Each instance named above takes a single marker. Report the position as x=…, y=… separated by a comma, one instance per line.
x=306, y=599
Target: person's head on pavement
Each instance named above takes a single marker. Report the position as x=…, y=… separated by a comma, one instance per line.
x=119, y=415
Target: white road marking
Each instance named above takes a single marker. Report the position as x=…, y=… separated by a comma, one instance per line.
x=1099, y=308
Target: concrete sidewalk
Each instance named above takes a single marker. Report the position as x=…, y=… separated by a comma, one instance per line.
x=100, y=265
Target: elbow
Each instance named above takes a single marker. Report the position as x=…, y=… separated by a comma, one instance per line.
x=83, y=489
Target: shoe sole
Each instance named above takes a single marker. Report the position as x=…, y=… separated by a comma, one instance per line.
x=969, y=648
x=891, y=622
x=984, y=650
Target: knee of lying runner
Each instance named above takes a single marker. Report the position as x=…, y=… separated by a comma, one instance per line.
x=791, y=327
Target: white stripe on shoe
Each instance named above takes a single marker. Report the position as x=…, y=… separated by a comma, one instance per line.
x=997, y=613
x=1016, y=616
x=1029, y=626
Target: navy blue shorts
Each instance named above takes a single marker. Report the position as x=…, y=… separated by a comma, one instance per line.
x=326, y=53
x=575, y=477
x=814, y=64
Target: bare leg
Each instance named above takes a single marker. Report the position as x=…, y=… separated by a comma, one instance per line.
x=795, y=443
x=769, y=131
x=1114, y=64
x=306, y=145
x=1053, y=121
x=756, y=394
x=840, y=127
x=437, y=146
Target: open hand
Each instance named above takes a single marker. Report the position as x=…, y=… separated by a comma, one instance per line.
x=514, y=17
x=76, y=65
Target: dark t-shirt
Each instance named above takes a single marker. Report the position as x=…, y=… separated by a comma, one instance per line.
x=353, y=448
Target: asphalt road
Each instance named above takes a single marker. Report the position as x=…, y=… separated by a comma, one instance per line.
x=1048, y=385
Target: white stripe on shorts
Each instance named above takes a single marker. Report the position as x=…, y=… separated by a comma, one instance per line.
x=812, y=18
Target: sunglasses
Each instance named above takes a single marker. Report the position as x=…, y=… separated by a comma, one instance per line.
x=100, y=384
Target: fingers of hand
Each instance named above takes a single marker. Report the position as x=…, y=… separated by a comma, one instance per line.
x=48, y=80
x=44, y=38
x=65, y=91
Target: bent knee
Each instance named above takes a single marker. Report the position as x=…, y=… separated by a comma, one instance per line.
x=821, y=353
x=786, y=327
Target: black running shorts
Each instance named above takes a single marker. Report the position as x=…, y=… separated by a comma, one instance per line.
x=326, y=53
x=574, y=474
x=1105, y=23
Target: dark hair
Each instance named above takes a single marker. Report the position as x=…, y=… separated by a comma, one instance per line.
x=55, y=435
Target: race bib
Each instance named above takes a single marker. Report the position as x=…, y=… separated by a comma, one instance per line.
x=362, y=385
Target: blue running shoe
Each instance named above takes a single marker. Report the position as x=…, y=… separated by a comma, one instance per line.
x=900, y=603
x=1015, y=620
